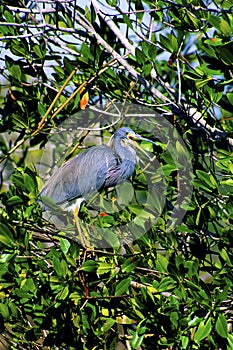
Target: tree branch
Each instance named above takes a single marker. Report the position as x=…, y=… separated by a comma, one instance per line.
x=156, y=93
x=113, y=27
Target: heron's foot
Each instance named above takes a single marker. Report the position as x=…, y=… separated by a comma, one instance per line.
x=89, y=248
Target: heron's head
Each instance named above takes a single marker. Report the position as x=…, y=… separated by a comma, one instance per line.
x=126, y=133
x=125, y=138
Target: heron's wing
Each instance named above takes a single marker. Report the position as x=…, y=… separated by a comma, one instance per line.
x=84, y=174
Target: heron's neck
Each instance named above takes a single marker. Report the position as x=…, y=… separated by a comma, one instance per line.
x=120, y=173
x=125, y=168
x=125, y=153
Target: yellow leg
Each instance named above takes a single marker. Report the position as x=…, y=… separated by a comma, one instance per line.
x=83, y=233
x=76, y=219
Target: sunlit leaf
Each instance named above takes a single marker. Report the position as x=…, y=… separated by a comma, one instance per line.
x=65, y=245
x=203, y=330
x=89, y=266
x=221, y=326
x=122, y=286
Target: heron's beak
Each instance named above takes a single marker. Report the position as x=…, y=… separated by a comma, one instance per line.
x=136, y=137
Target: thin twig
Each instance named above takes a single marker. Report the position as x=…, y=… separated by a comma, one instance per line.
x=41, y=124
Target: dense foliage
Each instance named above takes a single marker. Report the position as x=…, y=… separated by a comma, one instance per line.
x=172, y=287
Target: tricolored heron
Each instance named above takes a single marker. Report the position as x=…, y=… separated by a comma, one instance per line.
x=93, y=169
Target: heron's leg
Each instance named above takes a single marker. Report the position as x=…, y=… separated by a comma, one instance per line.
x=83, y=233
x=76, y=219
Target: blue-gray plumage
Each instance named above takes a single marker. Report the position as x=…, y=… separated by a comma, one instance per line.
x=95, y=168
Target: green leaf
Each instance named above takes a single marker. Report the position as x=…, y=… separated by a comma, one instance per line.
x=147, y=67
x=174, y=43
x=226, y=82
x=104, y=268
x=18, y=48
x=122, y=286
x=152, y=52
x=203, y=330
x=228, y=182
x=63, y=294
x=127, y=21
x=230, y=341
x=62, y=24
x=145, y=47
x=226, y=56
x=221, y=326
x=64, y=245
x=182, y=152
x=225, y=256
x=202, y=82
x=225, y=28
x=107, y=325
x=75, y=296
x=9, y=17
x=15, y=71
x=230, y=97
x=90, y=266
x=136, y=340
x=207, y=178
x=174, y=317
x=213, y=41
x=49, y=202
x=14, y=200
x=198, y=293
x=110, y=237
x=138, y=335
x=6, y=30
x=135, y=209
x=18, y=120
x=197, y=220
x=167, y=283
x=165, y=42
x=60, y=267
x=215, y=21
x=129, y=265
x=85, y=51
x=4, y=311
x=194, y=322
x=30, y=183
x=60, y=71
x=39, y=53
x=41, y=109
x=161, y=263
x=6, y=236
x=140, y=56
x=13, y=309
x=112, y=3
x=125, y=192
x=76, y=101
